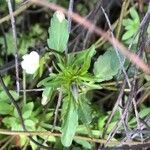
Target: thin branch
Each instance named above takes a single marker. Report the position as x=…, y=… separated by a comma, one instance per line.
x=48, y=133
x=122, y=14
x=116, y=50
x=57, y=108
x=141, y=48
x=24, y=88
x=4, y=140
x=16, y=13
x=125, y=111
x=32, y=90
x=137, y=116
x=6, y=143
x=15, y=43
x=70, y=10
x=114, y=108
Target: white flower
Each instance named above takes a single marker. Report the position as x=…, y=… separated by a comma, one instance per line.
x=30, y=62
x=60, y=16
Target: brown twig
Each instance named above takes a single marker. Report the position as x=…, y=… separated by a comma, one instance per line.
x=6, y=143
x=71, y=2
x=57, y=108
x=48, y=133
x=125, y=111
x=116, y=50
x=16, y=13
x=114, y=108
x=14, y=43
x=122, y=14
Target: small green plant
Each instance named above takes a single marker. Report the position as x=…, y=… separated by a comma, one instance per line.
x=32, y=117
x=132, y=26
x=73, y=78
x=76, y=99
x=24, y=40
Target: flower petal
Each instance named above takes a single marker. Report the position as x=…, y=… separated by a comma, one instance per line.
x=30, y=62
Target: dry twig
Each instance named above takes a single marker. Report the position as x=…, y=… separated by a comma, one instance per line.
x=15, y=43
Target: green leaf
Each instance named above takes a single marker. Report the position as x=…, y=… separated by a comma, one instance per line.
x=84, y=144
x=83, y=59
x=106, y=66
x=142, y=114
x=4, y=97
x=27, y=110
x=111, y=126
x=82, y=55
x=46, y=95
x=127, y=22
x=30, y=124
x=46, y=80
x=33, y=145
x=54, y=83
x=25, y=42
x=87, y=60
x=134, y=14
x=65, y=106
x=147, y=77
x=91, y=86
x=48, y=116
x=5, y=108
x=70, y=124
x=87, y=77
x=8, y=121
x=131, y=25
x=13, y=123
x=10, y=41
x=36, y=30
x=43, y=61
x=61, y=66
x=58, y=33
x=70, y=60
x=128, y=34
x=84, y=110
x=23, y=139
x=101, y=122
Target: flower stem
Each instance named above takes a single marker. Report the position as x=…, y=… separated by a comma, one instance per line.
x=24, y=87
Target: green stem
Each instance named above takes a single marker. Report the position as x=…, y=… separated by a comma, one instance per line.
x=114, y=89
x=122, y=14
x=24, y=87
